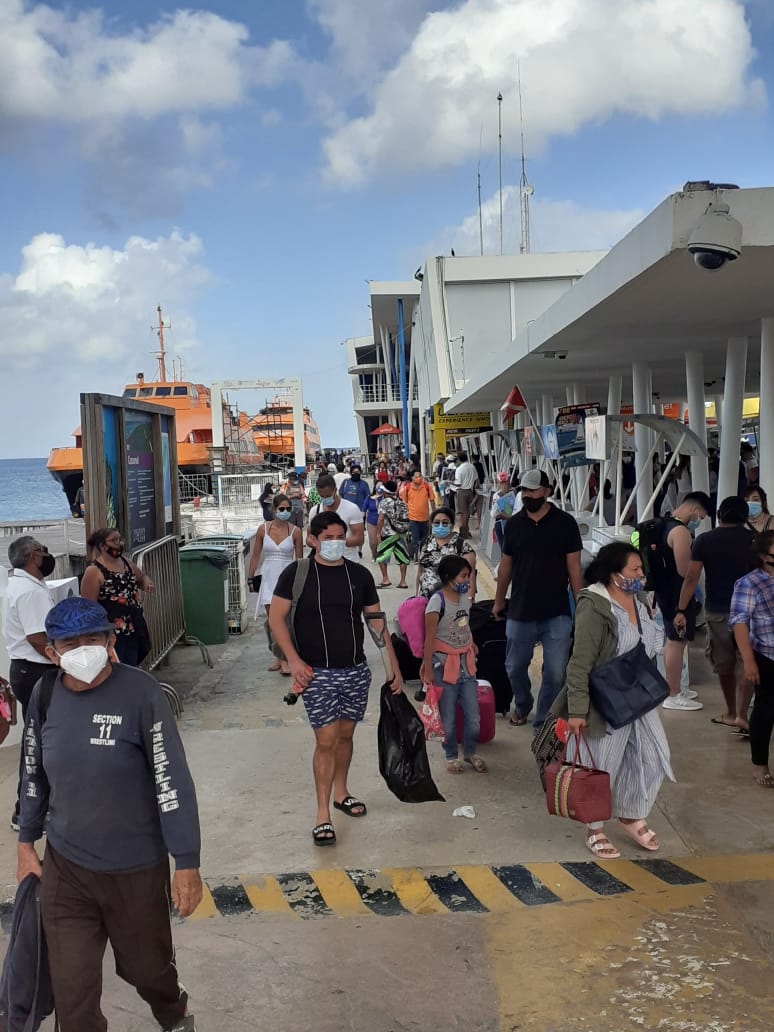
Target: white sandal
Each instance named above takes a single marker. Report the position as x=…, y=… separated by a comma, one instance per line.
x=600, y=845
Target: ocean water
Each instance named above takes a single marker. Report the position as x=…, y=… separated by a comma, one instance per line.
x=29, y=492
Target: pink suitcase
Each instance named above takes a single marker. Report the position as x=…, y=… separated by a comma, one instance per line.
x=486, y=709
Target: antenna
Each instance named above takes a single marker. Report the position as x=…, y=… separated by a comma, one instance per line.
x=526, y=190
x=161, y=355
x=500, y=139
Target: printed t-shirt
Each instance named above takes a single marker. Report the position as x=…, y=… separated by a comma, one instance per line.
x=727, y=555
x=454, y=625
x=539, y=550
x=328, y=623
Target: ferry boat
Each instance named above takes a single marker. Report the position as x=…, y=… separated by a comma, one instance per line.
x=193, y=422
x=273, y=432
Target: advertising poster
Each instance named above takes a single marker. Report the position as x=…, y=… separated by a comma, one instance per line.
x=550, y=442
x=110, y=438
x=167, y=473
x=141, y=488
x=596, y=438
x=570, y=431
x=529, y=440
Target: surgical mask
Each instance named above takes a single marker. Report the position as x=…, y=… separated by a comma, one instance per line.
x=284, y=514
x=461, y=587
x=333, y=550
x=441, y=530
x=534, y=504
x=693, y=525
x=328, y=501
x=47, y=565
x=631, y=585
x=85, y=663
x=755, y=509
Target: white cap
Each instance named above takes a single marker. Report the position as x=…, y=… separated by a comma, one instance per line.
x=331, y=467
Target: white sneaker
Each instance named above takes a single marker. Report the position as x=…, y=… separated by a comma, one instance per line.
x=688, y=693
x=681, y=702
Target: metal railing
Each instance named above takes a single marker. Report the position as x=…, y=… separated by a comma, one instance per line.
x=193, y=485
x=163, y=608
x=382, y=393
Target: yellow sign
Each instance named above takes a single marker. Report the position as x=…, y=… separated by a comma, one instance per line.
x=470, y=422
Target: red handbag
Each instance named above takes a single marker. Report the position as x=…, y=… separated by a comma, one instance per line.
x=576, y=791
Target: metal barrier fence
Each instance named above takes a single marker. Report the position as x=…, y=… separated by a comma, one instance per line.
x=163, y=609
x=242, y=490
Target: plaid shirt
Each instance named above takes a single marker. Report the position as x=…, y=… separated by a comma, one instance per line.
x=753, y=604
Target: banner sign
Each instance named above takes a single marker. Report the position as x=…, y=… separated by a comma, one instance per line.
x=571, y=434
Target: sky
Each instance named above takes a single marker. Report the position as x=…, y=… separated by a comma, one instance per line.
x=251, y=165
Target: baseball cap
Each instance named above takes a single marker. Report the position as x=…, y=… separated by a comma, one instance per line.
x=450, y=459
x=331, y=467
x=534, y=479
x=75, y=616
x=503, y=478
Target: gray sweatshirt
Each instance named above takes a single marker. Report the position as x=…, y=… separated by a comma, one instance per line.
x=108, y=767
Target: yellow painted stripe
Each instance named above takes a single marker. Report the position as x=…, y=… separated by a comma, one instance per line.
x=729, y=868
x=340, y=894
x=488, y=889
x=631, y=874
x=561, y=882
x=414, y=892
x=266, y=896
x=206, y=908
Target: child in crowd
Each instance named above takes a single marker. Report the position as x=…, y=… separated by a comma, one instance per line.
x=450, y=661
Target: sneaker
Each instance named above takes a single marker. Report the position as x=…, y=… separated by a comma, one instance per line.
x=681, y=702
x=15, y=820
x=420, y=695
x=689, y=693
x=187, y=1025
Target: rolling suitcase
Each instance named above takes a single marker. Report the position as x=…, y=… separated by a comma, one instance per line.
x=489, y=636
x=486, y=709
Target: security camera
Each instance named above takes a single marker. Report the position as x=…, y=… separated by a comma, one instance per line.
x=561, y=354
x=716, y=238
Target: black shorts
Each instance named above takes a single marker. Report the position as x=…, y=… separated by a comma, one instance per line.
x=668, y=606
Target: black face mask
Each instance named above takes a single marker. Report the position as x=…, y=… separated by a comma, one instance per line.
x=115, y=551
x=355, y=476
x=534, y=504
x=47, y=565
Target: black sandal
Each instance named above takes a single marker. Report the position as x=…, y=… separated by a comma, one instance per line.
x=324, y=835
x=349, y=805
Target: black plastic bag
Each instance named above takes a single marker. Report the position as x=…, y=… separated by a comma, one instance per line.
x=403, y=761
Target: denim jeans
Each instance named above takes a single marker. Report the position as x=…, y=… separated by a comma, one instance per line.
x=522, y=637
x=419, y=531
x=465, y=691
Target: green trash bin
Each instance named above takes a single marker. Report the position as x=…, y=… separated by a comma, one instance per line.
x=204, y=573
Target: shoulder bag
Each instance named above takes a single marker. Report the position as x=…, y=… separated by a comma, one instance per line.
x=627, y=686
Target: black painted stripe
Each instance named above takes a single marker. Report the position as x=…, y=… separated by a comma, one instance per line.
x=596, y=879
x=302, y=894
x=524, y=885
x=230, y=899
x=383, y=902
x=455, y=894
x=670, y=873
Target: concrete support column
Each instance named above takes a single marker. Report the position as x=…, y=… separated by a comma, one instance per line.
x=570, y=394
x=733, y=399
x=697, y=416
x=766, y=418
x=548, y=408
x=643, y=396
x=718, y=399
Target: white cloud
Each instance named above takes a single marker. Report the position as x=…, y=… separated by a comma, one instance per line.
x=555, y=226
x=581, y=61
x=71, y=68
x=85, y=303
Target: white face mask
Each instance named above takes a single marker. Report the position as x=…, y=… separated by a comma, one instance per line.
x=85, y=663
x=332, y=550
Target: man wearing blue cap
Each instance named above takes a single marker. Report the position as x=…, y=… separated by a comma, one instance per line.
x=106, y=773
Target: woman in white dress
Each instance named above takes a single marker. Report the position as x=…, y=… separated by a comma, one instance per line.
x=277, y=544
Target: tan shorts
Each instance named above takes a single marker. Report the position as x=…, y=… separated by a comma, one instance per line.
x=721, y=647
x=466, y=502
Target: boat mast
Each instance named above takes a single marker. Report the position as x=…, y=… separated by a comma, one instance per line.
x=161, y=355
x=525, y=187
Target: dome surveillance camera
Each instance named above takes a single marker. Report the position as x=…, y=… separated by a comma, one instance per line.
x=716, y=239
x=561, y=354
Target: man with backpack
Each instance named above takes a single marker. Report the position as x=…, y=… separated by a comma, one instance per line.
x=665, y=544
x=316, y=618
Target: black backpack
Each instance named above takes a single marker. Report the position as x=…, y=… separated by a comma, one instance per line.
x=650, y=537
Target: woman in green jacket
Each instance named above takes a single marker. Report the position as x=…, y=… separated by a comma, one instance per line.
x=636, y=755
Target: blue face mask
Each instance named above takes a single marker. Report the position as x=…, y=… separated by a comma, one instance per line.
x=755, y=509
x=461, y=587
x=284, y=514
x=441, y=530
x=332, y=550
x=631, y=585
x=328, y=501
x=693, y=525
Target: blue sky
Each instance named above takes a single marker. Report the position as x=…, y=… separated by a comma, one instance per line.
x=250, y=165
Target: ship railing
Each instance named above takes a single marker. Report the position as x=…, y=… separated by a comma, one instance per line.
x=163, y=608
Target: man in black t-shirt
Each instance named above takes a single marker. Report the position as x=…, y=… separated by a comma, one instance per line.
x=540, y=561
x=725, y=554
x=328, y=661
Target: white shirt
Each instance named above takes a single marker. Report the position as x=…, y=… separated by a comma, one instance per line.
x=466, y=477
x=28, y=601
x=351, y=515
x=340, y=478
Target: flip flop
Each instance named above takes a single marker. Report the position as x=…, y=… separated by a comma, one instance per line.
x=764, y=780
x=388, y=584
x=518, y=721
x=349, y=805
x=403, y=585
x=719, y=720
x=324, y=835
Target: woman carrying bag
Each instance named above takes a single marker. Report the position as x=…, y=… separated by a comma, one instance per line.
x=610, y=622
